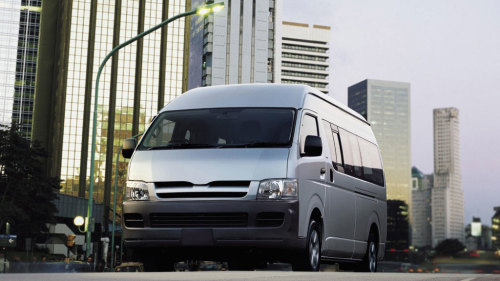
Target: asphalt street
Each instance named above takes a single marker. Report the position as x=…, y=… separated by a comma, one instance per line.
x=246, y=275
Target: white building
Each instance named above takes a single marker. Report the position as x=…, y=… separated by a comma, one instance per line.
x=305, y=55
x=447, y=195
x=237, y=44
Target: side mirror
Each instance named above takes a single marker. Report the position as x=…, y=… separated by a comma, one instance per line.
x=128, y=147
x=313, y=146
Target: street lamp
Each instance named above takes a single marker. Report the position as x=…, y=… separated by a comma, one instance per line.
x=202, y=10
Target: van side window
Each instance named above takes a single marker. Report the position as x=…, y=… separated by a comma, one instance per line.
x=331, y=144
x=352, y=157
x=338, y=146
x=372, y=166
x=308, y=127
x=332, y=136
x=358, y=168
x=347, y=152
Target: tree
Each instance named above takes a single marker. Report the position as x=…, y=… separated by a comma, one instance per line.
x=26, y=194
x=449, y=247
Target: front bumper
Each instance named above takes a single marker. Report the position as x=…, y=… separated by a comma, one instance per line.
x=252, y=235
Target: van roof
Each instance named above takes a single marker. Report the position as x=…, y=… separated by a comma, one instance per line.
x=251, y=95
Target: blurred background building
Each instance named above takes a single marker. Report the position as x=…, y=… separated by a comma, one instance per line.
x=495, y=229
x=421, y=211
x=305, y=55
x=477, y=235
x=19, y=30
x=447, y=196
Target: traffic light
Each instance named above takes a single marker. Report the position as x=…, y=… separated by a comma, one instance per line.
x=70, y=242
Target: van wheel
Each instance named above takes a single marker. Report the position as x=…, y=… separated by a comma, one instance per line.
x=370, y=262
x=310, y=260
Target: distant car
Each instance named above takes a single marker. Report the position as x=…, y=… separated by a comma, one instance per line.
x=130, y=267
x=394, y=266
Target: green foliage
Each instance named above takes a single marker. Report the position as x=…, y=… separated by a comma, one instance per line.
x=26, y=193
x=449, y=247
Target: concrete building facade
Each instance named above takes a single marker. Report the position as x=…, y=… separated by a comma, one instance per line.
x=421, y=212
x=386, y=106
x=447, y=195
x=236, y=45
x=305, y=55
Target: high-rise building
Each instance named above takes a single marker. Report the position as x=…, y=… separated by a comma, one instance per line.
x=397, y=231
x=305, y=55
x=495, y=229
x=447, y=195
x=19, y=28
x=386, y=106
x=236, y=45
x=421, y=211
x=75, y=37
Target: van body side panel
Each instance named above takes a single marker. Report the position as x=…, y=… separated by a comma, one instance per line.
x=341, y=217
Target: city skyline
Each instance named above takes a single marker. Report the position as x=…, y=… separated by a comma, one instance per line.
x=422, y=42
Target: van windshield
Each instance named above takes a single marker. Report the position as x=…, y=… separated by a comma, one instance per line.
x=220, y=128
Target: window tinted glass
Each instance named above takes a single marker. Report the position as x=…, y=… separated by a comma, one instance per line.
x=338, y=147
x=372, y=166
x=347, y=152
x=308, y=127
x=221, y=127
x=352, y=157
x=356, y=155
x=331, y=144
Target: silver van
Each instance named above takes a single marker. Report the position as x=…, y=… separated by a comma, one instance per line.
x=251, y=174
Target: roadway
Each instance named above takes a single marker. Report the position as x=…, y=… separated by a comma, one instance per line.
x=246, y=275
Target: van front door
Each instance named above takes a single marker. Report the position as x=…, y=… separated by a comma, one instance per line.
x=340, y=201
x=311, y=173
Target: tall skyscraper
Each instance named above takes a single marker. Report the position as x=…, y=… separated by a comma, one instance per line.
x=19, y=29
x=236, y=45
x=421, y=211
x=447, y=196
x=75, y=37
x=305, y=55
x=386, y=106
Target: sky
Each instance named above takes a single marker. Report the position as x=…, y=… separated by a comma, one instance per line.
x=448, y=50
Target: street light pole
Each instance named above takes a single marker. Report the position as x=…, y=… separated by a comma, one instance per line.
x=202, y=10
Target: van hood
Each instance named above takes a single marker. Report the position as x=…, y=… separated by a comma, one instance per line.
x=202, y=166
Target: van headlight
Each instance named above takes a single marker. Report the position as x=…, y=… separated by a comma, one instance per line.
x=137, y=191
x=278, y=189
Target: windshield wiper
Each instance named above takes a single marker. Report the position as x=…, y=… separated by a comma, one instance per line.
x=182, y=145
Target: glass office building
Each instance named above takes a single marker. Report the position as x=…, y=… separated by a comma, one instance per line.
x=134, y=84
x=19, y=29
x=386, y=106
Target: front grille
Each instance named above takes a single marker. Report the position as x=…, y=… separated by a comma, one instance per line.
x=198, y=220
x=202, y=195
x=133, y=220
x=269, y=219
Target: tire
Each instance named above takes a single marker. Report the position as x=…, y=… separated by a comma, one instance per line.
x=310, y=260
x=370, y=260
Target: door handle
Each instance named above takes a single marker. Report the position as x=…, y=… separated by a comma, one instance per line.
x=323, y=170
